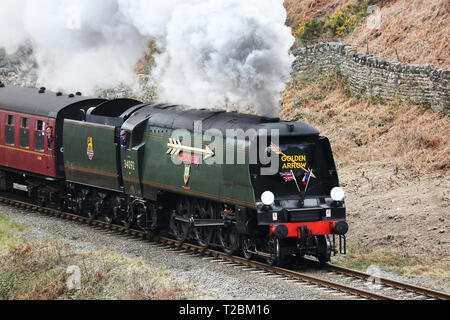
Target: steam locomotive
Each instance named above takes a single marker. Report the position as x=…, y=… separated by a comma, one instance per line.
x=156, y=167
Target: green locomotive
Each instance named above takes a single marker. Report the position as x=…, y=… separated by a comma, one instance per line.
x=197, y=174
x=266, y=187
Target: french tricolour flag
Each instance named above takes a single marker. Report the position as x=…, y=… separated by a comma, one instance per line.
x=307, y=178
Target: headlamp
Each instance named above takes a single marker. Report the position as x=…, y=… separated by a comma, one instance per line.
x=268, y=198
x=337, y=194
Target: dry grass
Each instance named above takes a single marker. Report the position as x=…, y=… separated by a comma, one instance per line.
x=9, y=232
x=405, y=265
x=38, y=270
x=393, y=161
x=362, y=129
x=418, y=29
x=413, y=31
x=302, y=10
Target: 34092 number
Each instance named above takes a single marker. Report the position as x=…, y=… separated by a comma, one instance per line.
x=129, y=165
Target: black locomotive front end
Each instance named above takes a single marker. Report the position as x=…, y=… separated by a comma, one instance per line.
x=301, y=206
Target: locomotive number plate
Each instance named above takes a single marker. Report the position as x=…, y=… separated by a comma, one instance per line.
x=129, y=165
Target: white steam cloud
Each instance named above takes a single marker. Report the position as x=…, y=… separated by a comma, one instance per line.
x=214, y=53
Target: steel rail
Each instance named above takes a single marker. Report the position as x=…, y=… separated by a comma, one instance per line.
x=295, y=275
x=390, y=283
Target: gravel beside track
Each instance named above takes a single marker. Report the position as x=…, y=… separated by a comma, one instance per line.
x=217, y=280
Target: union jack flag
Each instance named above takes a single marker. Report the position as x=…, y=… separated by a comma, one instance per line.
x=287, y=176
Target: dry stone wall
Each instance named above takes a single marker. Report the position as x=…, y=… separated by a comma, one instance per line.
x=377, y=77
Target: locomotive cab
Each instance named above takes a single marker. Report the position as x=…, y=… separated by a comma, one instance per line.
x=301, y=205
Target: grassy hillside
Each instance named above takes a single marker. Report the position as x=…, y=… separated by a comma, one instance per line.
x=393, y=160
x=300, y=11
x=403, y=135
x=412, y=31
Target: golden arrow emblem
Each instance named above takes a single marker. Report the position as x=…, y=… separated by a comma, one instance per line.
x=175, y=147
x=277, y=150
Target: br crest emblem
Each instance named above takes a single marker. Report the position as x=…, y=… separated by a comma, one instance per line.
x=90, y=148
x=187, y=174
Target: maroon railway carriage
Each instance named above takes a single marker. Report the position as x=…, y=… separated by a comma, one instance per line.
x=31, y=123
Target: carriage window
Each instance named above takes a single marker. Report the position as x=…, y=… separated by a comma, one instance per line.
x=25, y=123
x=25, y=133
x=9, y=130
x=10, y=120
x=39, y=136
x=40, y=125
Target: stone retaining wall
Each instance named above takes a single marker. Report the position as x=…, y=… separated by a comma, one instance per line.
x=375, y=76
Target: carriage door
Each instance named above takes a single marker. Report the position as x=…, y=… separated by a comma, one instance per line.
x=39, y=136
x=39, y=142
x=10, y=130
x=25, y=133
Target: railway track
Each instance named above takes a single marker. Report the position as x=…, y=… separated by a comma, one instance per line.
x=389, y=283
x=285, y=273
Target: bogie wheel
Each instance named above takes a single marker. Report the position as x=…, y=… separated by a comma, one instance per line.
x=122, y=212
x=179, y=228
x=229, y=239
x=323, y=249
x=91, y=214
x=274, y=250
x=111, y=214
x=246, y=246
x=107, y=211
x=142, y=216
x=203, y=210
x=126, y=221
x=76, y=203
x=109, y=217
x=87, y=204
